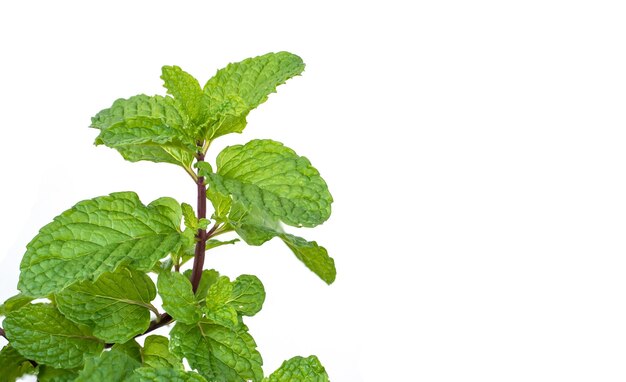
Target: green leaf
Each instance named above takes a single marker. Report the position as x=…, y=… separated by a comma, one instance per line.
x=299, y=369
x=245, y=295
x=41, y=333
x=14, y=303
x=313, y=256
x=130, y=348
x=221, y=203
x=266, y=175
x=96, y=236
x=13, y=365
x=50, y=374
x=191, y=221
x=148, y=374
x=178, y=298
x=156, y=353
x=116, y=306
x=219, y=353
x=186, y=90
x=109, y=366
x=146, y=128
x=240, y=87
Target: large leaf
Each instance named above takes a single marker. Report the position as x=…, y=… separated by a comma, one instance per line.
x=156, y=353
x=148, y=374
x=266, y=175
x=240, y=87
x=178, y=298
x=299, y=369
x=109, y=366
x=96, y=236
x=219, y=353
x=41, y=333
x=13, y=365
x=116, y=306
x=146, y=128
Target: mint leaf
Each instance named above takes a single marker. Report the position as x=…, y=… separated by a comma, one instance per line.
x=14, y=303
x=244, y=296
x=219, y=353
x=109, y=366
x=265, y=174
x=209, y=277
x=116, y=306
x=299, y=369
x=50, y=374
x=41, y=333
x=148, y=374
x=178, y=298
x=130, y=348
x=240, y=87
x=156, y=353
x=146, y=128
x=13, y=365
x=96, y=236
x=191, y=221
x=313, y=256
x=186, y=90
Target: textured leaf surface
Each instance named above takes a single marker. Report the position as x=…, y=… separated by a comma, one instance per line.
x=96, y=236
x=209, y=276
x=50, y=374
x=240, y=87
x=14, y=303
x=156, y=353
x=299, y=369
x=178, y=298
x=313, y=256
x=41, y=333
x=116, y=306
x=145, y=128
x=219, y=353
x=186, y=90
x=13, y=365
x=130, y=348
x=265, y=174
x=245, y=295
x=109, y=366
x=148, y=374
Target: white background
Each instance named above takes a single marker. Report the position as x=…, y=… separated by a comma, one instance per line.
x=475, y=150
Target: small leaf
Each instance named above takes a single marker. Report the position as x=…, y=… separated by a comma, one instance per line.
x=299, y=369
x=247, y=295
x=41, y=333
x=313, y=256
x=186, y=90
x=13, y=365
x=109, y=366
x=227, y=300
x=178, y=298
x=130, y=348
x=209, y=277
x=96, y=236
x=191, y=221
x=148, y=374
x=219, y=353
x=156, y=353
x=116, y=306
x=14, y=303
x=266, y=175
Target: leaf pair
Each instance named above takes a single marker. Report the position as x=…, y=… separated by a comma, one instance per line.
x=166, y=129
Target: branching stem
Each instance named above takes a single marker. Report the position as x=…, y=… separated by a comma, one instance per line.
x=198, y=260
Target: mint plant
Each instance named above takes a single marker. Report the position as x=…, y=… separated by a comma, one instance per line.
x=87, y=280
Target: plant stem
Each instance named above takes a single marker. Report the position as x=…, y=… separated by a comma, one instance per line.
x=3, y=334
x=198, y=260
